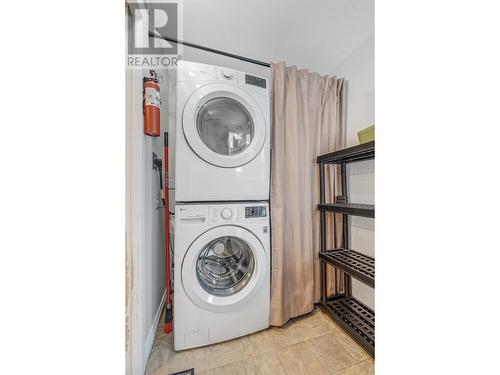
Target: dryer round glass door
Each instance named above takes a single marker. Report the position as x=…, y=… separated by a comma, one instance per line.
x=223, y=268
x=224, y=125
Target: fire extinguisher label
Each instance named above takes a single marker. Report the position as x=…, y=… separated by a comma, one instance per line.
x=152, y=97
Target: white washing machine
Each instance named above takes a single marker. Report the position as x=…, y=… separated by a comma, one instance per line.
x=222, y=150
x=221, y=271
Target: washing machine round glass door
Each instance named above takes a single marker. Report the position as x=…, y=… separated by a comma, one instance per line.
x=223, y=268
x=224, y=125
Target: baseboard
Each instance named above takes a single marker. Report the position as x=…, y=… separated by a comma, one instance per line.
x=152, y=332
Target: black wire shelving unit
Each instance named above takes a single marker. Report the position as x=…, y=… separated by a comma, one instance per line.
x=353, y=316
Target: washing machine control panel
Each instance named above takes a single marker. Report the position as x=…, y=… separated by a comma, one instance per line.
x=223, y=214
x=255, y=211
x=237, y=213
x=227, y=74
x=226, y=213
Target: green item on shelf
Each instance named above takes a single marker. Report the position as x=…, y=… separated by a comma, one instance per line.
x=367, y=134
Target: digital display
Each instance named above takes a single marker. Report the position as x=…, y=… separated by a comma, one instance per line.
x=256, y=81
x=255, y=211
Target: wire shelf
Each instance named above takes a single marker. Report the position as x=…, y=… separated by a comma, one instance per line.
x=356, y=318
x=357, y=209
x=357, y=265
x=361, y=152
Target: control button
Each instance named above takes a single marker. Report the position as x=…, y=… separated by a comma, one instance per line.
x=226, y=213
x=227, y=75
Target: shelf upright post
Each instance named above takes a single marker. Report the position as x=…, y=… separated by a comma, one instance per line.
x=322, y=230
x=345, y=229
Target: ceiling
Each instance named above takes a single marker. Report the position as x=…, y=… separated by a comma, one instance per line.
x=316, y=35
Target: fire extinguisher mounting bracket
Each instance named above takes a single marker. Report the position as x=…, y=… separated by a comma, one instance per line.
x=157, y=162
x=153, y=76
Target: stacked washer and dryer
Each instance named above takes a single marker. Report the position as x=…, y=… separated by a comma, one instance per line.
x=222, y=228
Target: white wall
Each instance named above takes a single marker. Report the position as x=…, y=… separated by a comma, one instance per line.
x=314, y=35
x=148, y=254
x=358, y=70
x=154, y=217
x=145, y=225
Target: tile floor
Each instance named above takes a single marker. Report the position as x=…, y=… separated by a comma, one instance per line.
x=312, y=344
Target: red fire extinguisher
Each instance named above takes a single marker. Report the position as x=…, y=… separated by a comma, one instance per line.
x=152, y=101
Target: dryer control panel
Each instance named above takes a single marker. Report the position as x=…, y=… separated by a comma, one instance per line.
x=188, y=71
x=256, y=81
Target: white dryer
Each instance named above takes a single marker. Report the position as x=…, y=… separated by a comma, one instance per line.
x=221, y=272
x=222, y=150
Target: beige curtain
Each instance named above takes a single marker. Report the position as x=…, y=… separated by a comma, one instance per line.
x=308, y=120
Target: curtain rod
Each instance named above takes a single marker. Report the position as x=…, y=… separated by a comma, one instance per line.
x=228, y=54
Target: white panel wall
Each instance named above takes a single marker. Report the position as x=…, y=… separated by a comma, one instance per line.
x=148, y=243
x=358, y=69
x=146, y=222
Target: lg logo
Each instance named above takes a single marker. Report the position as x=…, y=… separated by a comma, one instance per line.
x=156, y=18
